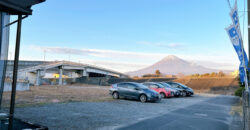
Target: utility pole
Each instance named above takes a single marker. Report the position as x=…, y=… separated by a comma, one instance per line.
x=246, y=97
x=44, y=54
x=248, y=19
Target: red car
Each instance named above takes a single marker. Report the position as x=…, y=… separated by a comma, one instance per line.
x=158, y=88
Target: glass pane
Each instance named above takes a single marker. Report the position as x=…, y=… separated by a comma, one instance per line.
x=4, y=45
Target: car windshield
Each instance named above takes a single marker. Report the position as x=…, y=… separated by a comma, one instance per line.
x=160, y=85
x=184, y=86
x=141, y=86
x=165, y=84
x=172, y=85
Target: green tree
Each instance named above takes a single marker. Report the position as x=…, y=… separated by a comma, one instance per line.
x=221, y=74
x=243, y=84
x=195, y=75
x=157, y=72
x=213, y=74
x=240, y=90
x=205, y=75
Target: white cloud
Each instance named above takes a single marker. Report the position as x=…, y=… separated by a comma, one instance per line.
x=99, y=53
x=162, y=44
x=128, y=61
x=216, y=65
x=117, y=66
x=175, y=45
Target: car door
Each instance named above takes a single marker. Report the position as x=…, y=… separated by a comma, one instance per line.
x=122, y=89
x=132, y=92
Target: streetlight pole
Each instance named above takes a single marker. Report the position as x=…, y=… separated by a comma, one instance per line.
x=248, y=28
x=246, y=97
x=44, y=54
x=248, y=16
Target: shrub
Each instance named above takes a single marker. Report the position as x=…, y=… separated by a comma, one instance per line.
x=239, y=91
x=150, y=75
x=157, y=72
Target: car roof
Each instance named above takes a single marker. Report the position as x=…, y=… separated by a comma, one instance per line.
x=171, y=82
x=151, y=82
x=127, y=82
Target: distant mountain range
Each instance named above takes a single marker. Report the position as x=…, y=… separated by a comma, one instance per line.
x=172, y=65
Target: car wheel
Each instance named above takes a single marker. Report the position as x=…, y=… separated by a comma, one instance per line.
x=115, y=95
x=181, y=93
x=184, y=94
x=163, y=95
x=143, y=98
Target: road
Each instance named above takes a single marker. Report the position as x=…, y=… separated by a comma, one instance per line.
x=197, y=112
x=212, y=114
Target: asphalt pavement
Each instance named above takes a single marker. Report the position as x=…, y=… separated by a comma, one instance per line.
x=212, y=114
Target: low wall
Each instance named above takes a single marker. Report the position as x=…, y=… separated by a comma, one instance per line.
x=20, y=86
x=140, y=80
x=93, y=80
x=221, y=85
x=206, y=83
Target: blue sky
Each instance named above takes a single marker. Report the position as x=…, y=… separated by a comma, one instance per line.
x=127, y=35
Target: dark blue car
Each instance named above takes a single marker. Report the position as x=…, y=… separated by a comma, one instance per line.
x=132, y=90
x=187, y=91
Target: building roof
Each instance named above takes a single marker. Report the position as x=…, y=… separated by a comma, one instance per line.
x=16, y=7
x=68, y=65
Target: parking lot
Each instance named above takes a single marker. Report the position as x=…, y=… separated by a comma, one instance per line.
x=196, y=112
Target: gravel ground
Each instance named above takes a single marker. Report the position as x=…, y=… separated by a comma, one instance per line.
x=102, y=115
